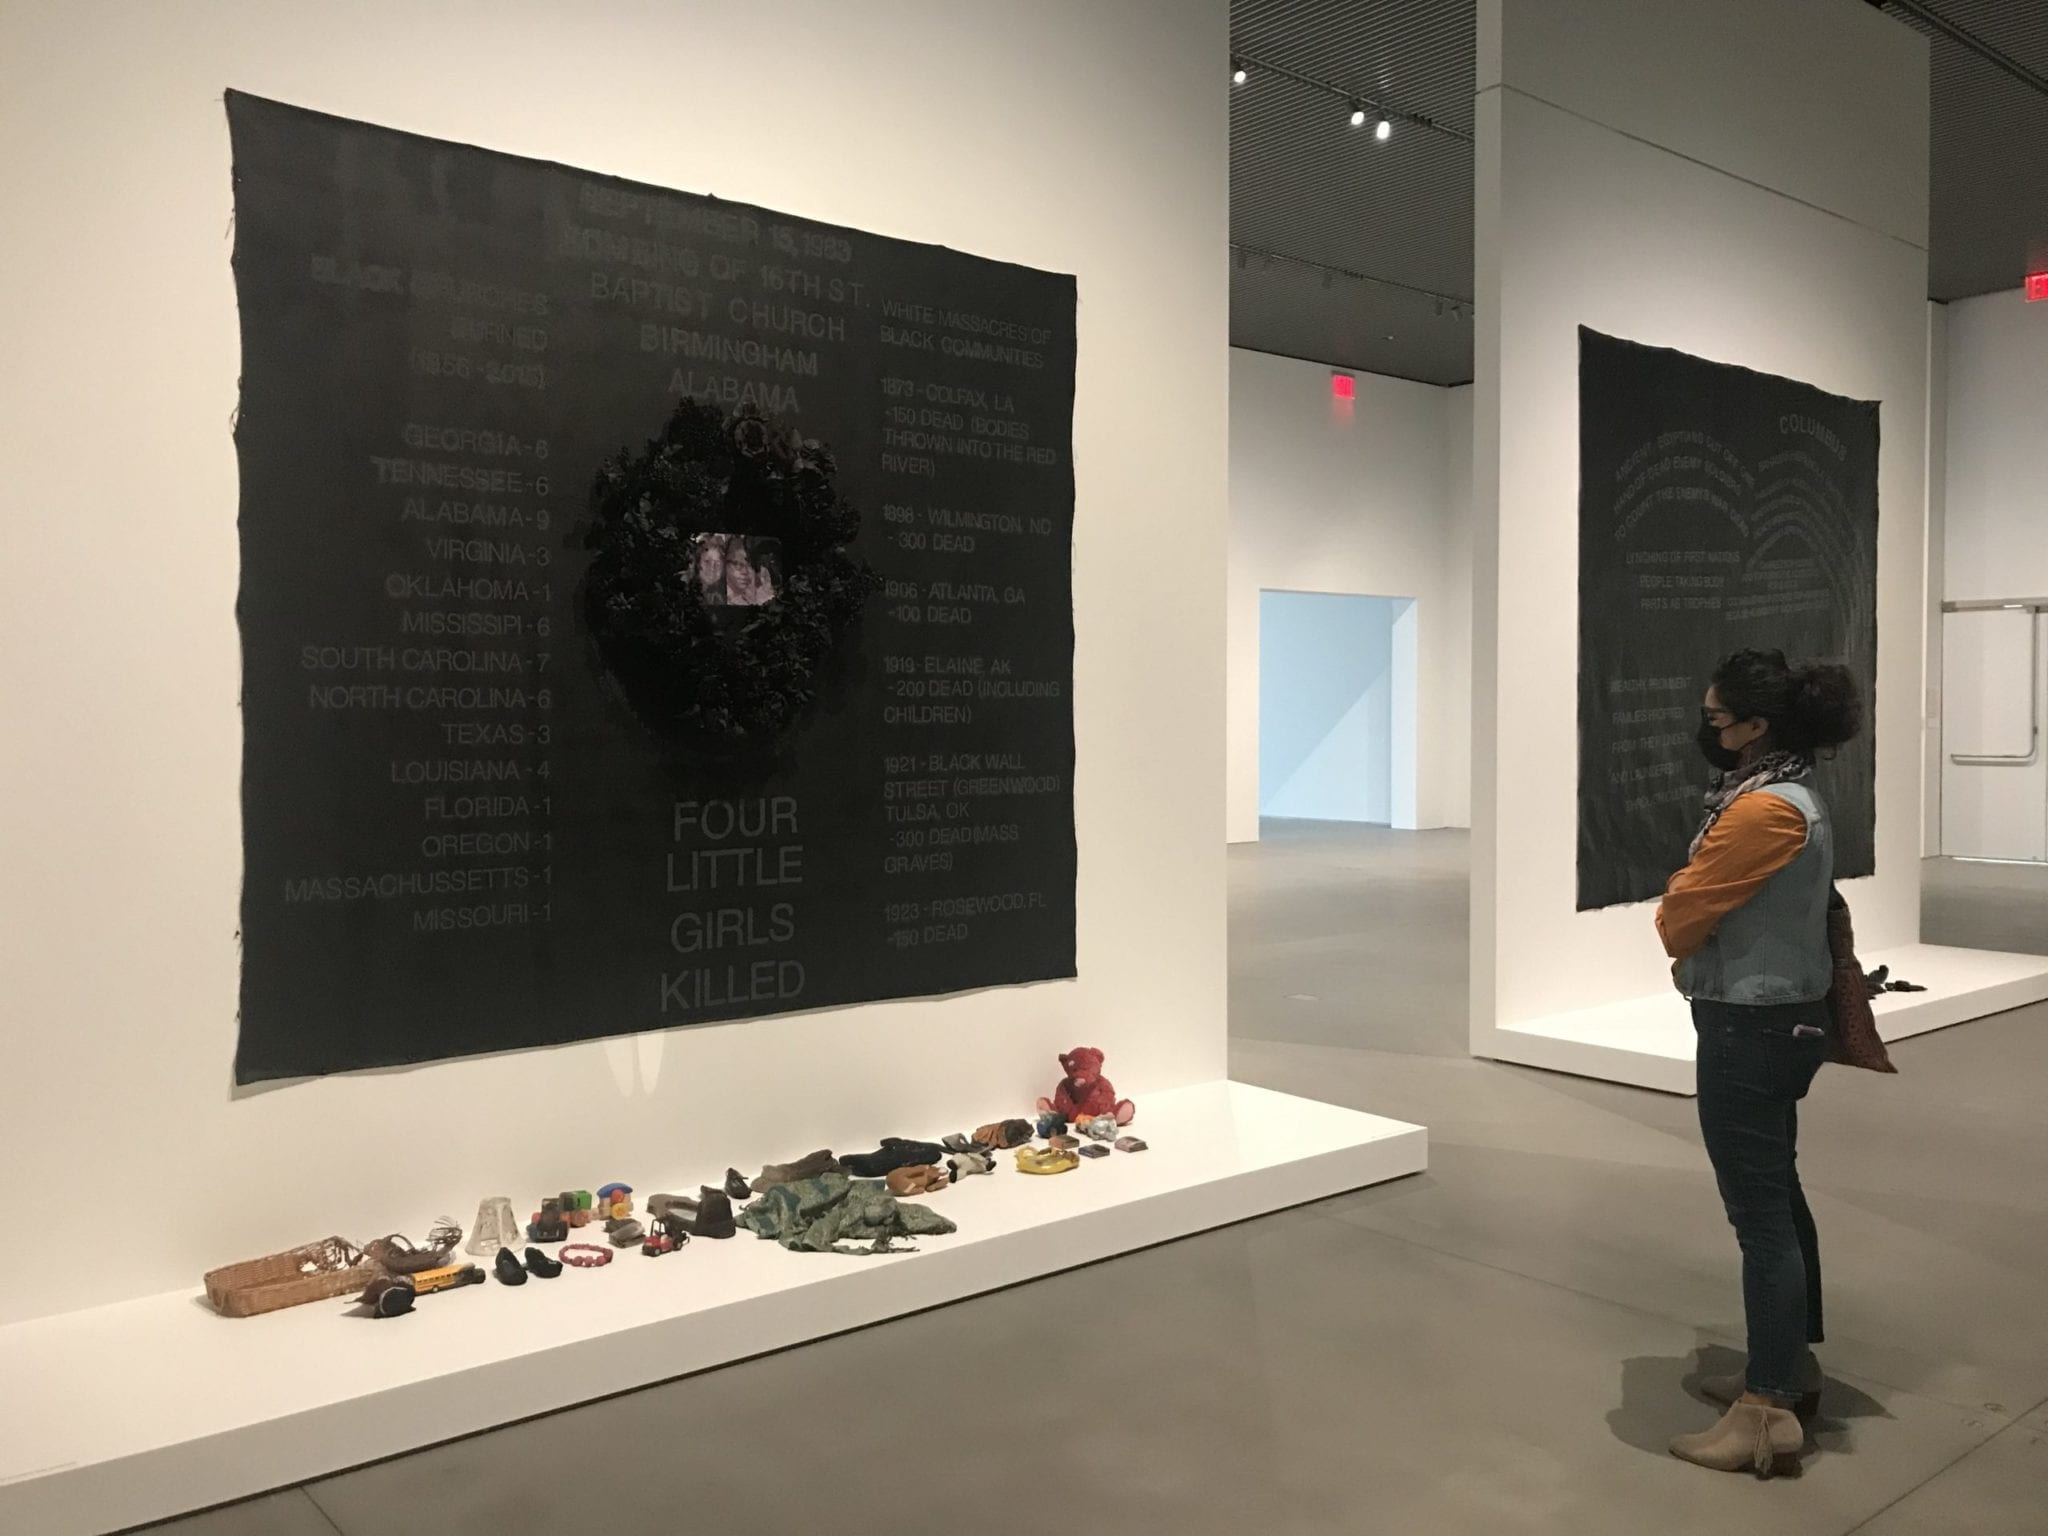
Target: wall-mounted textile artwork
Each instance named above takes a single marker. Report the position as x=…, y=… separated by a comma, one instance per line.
x=1719, y=509
x=655, y=610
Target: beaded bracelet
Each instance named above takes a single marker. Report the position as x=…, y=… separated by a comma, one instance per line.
x=586, y=1255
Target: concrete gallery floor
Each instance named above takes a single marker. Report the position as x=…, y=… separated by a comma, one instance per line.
x=1502, y=1345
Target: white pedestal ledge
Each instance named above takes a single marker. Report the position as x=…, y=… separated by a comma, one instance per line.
x=124, y=1414
x=1648, y=1041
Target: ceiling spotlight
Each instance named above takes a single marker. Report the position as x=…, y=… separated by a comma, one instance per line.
x=1384, y=132
x=1357, y=115
x=1238, y=74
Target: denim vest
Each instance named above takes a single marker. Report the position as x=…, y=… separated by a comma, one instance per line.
x=1774, y=947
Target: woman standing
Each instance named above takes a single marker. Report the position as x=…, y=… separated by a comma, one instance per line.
x=1746, y=921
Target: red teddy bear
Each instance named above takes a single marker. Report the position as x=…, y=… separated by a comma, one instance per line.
x=1084, y=1092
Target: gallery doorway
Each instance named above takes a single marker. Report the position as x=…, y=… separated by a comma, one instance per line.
x=1337, y=704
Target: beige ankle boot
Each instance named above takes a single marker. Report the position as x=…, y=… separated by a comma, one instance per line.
x=1751, y=1437
x=1728, y=1389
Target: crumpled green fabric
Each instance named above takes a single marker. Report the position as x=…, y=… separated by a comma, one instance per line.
x=832, y=1213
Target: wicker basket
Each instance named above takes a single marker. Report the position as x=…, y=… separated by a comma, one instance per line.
x=317, y=1272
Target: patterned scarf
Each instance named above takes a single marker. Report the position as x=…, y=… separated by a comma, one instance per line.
x=1771, y=768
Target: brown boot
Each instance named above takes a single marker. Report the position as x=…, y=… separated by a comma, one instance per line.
x=1727, y=1390
x=1751, y=1437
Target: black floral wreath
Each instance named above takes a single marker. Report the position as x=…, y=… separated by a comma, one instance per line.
x=709, y=678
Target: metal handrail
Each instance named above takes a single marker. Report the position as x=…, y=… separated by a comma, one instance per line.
x=2035, y=606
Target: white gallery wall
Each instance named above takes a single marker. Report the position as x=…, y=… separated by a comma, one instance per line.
x=1065, y=134
x=1996, y=543
x=1937, y=577
x=1993, y=423
x=1745, y=181
x=1371, y=497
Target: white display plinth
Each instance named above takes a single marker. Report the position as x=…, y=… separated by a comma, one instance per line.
x=135, y=1412
x=1648, y=1041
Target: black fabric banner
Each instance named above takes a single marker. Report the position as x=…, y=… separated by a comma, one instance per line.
x=655, y=610
x=1719, y=509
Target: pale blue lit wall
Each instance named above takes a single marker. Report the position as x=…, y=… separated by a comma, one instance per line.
x=1326, y=701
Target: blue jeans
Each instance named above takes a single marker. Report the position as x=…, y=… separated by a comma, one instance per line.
x=1755, y=1065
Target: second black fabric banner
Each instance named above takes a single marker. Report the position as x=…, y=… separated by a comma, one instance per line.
x=1719, y=509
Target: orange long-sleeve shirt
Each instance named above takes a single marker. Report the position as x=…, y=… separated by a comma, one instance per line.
x=1756, y=837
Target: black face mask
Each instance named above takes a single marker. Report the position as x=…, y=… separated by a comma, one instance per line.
x=1709, y=739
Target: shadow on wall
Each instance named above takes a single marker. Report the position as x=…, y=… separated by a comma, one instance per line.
x=1329, y=696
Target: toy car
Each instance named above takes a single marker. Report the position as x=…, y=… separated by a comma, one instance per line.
x=548, y=1224
x=446, y=1278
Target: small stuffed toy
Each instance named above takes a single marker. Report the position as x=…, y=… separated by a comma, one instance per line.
x=1085, y=1092
x=965, y=1165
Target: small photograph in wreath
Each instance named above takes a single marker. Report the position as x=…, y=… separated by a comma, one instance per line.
x=736, y=570
x=723, y=598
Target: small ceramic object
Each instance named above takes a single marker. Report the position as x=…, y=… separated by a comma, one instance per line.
x=1002, y=1135
x=922, y=1179
x=1063, y=1143
x=1095, y=1149
x=389, y=1296
x=508, y=1269
x=1051, y=1123
x=1129, y=1144
x=964, y=1165
x=539, y=1265
x=496, y=1227
x=1102, y=1128
x=615, y=1200
x=625, y=1233
x=1046, y=1160
x=659, y=1242
x=585, y=1256
x=400, y=1255
x=662, y=1206
x=957, y=1142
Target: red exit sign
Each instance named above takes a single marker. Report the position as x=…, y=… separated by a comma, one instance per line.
x=2037, y=287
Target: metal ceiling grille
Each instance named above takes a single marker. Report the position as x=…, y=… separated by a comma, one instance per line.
x=1317, y=206
x=1346, y=248
x=1988, y=223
